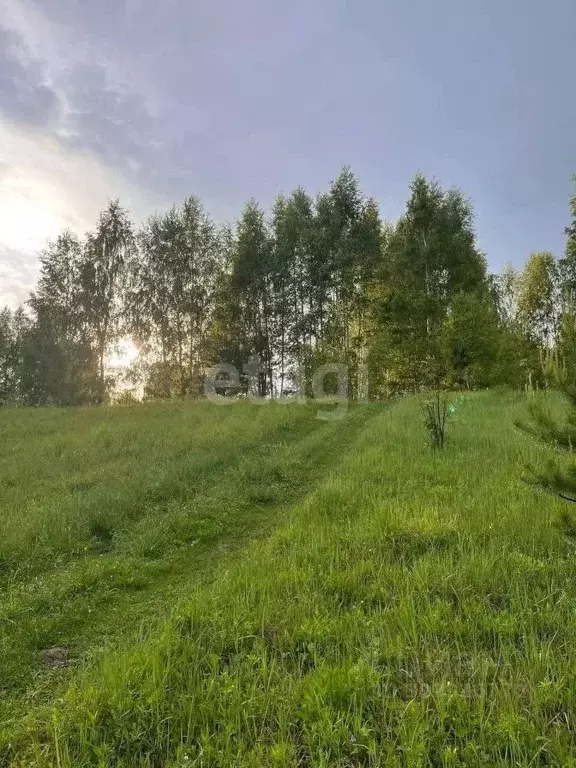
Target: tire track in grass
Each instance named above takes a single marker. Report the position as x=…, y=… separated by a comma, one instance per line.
x=100, y=601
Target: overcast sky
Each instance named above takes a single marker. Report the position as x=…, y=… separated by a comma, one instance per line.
x=151, y=100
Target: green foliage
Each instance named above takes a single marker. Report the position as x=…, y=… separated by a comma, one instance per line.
x=566, y=344
x=559, y=477
x=59, y=358
x=107, y=253
x=430, y=257
x=405, y=307
x=251, y=283
x=568, y=263
x=558, y=434
x=435, y=412
x=538, y=297
x=471, y=339
x=171, y=294
x=14, y=327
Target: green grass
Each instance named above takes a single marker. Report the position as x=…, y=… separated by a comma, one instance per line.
x=108, y=515
x=250, y=586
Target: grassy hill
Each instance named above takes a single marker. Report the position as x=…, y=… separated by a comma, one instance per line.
x=251, y=586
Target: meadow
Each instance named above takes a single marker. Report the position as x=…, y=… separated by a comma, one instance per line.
x=252, y=586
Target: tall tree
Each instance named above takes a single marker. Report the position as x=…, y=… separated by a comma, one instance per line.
x=292, y=237
x=559, y=478
x=172, y=285
x=430, y=256
x=226, y=340
x=504, y=287
x=283, y=268
x=14, y=326
x=252, y=280
x=537, y=299
x=568, y=263
x=107, y=251
x=471, y=339
x=58, y=356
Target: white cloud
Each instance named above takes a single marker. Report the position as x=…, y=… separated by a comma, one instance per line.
x=44, y=188
x=28, y=21
x=18, y=273
x=48, y=180
x=61, y=49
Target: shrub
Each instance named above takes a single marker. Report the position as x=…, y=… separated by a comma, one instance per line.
x=435, y=416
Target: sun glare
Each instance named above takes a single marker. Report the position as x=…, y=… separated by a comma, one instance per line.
x=123, y=354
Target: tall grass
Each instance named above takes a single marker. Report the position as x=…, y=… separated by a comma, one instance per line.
x=414, y=608
x=111, y=514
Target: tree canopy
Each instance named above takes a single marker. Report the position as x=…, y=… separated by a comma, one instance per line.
x=403, y=306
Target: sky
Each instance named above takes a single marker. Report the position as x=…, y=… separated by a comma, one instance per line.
x=151, y=101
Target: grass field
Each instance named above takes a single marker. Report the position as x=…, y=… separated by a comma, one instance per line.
x=251, y=586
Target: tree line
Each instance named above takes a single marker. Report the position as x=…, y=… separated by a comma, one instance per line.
x=312, y=281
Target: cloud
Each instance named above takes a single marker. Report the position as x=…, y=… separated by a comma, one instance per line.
x=18, y=272
x=72, y=136
x=24, y=94
x=46, y=187
x=107, y=118
x=151, y=127
x=49, y=79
